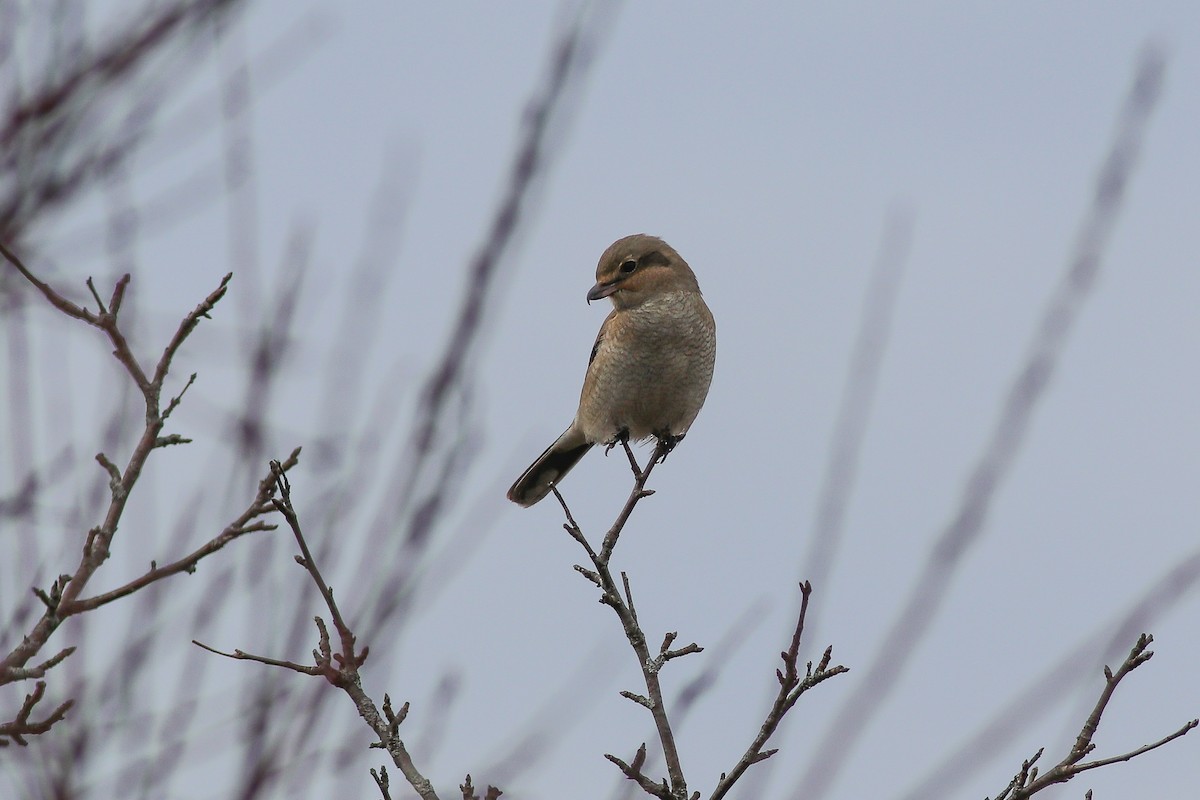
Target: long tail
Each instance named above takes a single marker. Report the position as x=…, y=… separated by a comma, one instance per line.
x=549, y=469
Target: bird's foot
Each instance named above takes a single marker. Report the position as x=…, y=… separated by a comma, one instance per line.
x=667, y=443
x=622, y=438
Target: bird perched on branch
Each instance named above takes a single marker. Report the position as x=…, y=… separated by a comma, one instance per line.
x=651, y=365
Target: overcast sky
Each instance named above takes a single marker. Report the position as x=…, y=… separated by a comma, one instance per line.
x=770, y=144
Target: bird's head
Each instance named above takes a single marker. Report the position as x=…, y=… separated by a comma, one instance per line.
x=639, y=267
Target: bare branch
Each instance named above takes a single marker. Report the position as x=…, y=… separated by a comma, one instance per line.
x=171, y=406
x=1028, y=782
x=637, y=698
x=622, y=604
x=41, y=669
x=62, y=600
x=1170, y=737
x=283, y=504
x=468, y=791
x=57, y=300
x=381, y=780
x=239, y=527
x=339, y=668
x=188, y=325
x=639, y=491
x=114, y=474
x=95, y=295
x=170, y=439
x=791, y=686
x=241, y=655
x=633, y=771
x=21, y=725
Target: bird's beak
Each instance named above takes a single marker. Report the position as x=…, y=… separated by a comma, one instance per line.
x=602, y=290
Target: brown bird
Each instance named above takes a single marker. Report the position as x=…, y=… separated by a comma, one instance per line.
x=651, y=365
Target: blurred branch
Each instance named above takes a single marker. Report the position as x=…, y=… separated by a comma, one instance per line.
x=110, y=65
x=1027, y=782
x=858, y=397
x=55, y=143
x=438, y=449
x=432, y=460
x=966, y=526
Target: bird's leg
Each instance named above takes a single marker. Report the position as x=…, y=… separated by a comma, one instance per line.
x=666, y=443
x=622, y=438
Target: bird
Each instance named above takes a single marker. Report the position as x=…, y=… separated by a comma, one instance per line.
x=651, y=365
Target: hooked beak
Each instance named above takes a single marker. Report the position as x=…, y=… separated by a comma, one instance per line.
x=602, y=290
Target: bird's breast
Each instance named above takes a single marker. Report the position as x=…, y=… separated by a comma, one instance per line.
x=652, y=369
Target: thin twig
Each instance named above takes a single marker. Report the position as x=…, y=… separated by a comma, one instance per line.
x=283, y=504
x=239, y=527
x=639, y=491
x=339, y=668
x=1028, y=782
x=242, y=655
x=611, y=595
x=633, y=771
x=791, y=686
x=381, y=780
x=62, y=601
x=21, y=726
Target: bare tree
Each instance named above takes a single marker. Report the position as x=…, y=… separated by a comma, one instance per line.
x=72, y=130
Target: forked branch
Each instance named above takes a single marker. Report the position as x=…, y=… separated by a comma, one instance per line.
x=620, y=599
x=1028, y=781
x=791, y=686
x=340, y=666
x=63, y=598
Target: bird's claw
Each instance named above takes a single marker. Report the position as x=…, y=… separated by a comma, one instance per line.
x=622, y=437
x=667, y=443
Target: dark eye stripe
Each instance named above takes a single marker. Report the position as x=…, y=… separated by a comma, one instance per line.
x=653, y=258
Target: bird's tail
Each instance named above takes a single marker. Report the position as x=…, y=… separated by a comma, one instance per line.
x=550, y=467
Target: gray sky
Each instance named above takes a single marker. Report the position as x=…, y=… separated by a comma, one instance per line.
x=769, y=143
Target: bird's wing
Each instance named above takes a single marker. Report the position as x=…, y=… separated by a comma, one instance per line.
x=600, y=338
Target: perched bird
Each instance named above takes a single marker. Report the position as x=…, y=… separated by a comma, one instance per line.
x=651, y=365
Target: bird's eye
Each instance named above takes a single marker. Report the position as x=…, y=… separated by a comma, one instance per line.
x=629, y=266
